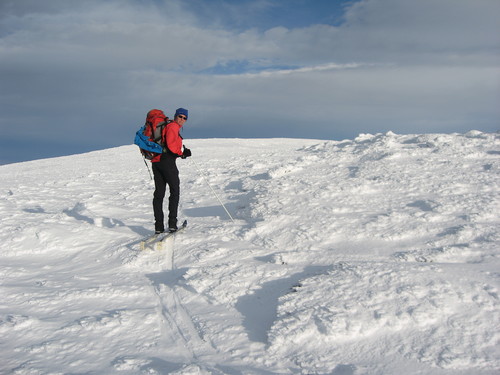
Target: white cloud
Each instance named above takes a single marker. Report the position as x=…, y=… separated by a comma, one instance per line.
x=137, y=35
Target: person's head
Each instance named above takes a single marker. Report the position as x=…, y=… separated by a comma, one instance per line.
x=181, y=114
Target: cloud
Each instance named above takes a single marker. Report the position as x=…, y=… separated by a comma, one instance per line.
x=364, y=99
x=97, y=67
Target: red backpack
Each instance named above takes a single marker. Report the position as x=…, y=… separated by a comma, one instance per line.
x=155, y=123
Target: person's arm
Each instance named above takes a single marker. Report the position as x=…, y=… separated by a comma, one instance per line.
x=174, y=141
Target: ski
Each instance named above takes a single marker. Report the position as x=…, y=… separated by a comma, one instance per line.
x=159, y=244
x=146, y=242
x=155, y=241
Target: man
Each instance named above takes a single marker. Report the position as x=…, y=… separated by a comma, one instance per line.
x=166, y=173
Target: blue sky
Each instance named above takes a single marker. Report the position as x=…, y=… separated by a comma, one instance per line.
x=81, y=75
x=242, y=15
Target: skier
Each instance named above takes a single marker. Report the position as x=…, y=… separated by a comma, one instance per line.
x=166, y=173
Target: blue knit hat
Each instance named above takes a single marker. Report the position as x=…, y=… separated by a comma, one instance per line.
x=181, y=111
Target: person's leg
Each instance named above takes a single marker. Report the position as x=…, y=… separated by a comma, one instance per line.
x=158, y=195
x=174, y=187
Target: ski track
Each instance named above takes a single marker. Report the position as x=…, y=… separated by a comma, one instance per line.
x=377, y=255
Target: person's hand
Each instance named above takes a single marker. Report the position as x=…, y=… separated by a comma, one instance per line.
x=186, y=153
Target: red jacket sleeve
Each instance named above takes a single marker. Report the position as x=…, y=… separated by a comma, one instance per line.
x=174, y=140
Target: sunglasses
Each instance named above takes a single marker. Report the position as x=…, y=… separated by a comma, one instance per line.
x=183, y=117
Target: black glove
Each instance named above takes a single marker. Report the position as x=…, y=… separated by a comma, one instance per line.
x=186, y=153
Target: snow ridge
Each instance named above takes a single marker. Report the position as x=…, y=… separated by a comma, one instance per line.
x=377, y=255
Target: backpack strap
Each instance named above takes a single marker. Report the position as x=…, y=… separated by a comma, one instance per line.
x=156, y=135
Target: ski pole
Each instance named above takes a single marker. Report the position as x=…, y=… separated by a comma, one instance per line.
x=213, y=191
x=147, y=166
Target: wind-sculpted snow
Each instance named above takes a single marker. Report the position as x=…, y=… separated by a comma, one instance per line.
x=386, y=304
x=377, y=255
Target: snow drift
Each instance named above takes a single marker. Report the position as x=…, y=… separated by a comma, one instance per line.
x=377, y=255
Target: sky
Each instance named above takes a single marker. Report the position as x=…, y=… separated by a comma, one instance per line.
x=79, y=75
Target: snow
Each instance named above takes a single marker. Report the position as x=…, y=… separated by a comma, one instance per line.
x=378, y=255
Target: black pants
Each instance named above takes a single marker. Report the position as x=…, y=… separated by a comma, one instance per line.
x=166, y=173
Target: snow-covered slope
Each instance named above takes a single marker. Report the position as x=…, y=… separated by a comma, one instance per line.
x=377, y=255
